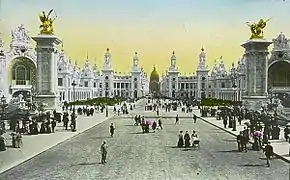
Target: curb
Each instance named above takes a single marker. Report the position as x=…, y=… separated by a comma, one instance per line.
x=203, y=119
x=49, y=147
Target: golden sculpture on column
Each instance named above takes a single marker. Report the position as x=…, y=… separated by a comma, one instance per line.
x=257, y=28
x=47, y=22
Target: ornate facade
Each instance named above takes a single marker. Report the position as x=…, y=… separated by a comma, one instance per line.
x=223, y=83
x=18, y=73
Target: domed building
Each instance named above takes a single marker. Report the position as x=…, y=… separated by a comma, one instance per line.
x=154, y=82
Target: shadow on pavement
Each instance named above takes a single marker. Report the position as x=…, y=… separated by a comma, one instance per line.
x=130, y=125
x=251, y=165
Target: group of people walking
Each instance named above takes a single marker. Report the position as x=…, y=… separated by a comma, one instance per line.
x=188, y=140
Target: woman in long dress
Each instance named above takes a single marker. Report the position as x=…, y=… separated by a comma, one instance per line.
x=187, y=139
x=180, y=139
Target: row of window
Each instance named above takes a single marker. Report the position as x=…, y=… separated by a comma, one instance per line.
x=116, y=85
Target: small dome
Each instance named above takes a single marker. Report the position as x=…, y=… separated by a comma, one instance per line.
x=154, y=74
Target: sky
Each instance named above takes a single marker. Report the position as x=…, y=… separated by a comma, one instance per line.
x=153, y=28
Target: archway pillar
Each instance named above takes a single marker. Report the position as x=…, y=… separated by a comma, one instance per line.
x=46, y=81
x=256, y=52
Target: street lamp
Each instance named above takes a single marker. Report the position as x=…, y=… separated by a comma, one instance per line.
x=234, y=86
x=74, y=92
x=73, y=118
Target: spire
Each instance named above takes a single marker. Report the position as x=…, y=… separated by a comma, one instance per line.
x=69, y=60
x=76, y=62
x=87, y=55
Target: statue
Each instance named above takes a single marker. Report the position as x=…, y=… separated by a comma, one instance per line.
x=47, y=23
x=257, y=28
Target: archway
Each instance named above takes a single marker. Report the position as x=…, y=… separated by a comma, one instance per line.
x=21, y=72
x=279, y=74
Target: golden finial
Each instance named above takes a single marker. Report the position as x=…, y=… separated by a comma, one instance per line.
x=47, y=22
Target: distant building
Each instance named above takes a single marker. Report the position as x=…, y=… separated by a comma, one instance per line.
x=229, y=84
x=154, y=88
x=18, y=73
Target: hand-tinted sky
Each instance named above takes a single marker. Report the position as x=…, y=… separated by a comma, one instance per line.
x=154, y=28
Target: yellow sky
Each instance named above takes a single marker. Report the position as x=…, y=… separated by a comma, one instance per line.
x=154, y=41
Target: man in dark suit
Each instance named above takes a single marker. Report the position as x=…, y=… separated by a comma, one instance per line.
x=239, y=139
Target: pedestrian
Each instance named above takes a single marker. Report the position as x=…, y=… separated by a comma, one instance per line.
x=177, y=119
x=53, y=125
x=187, y=139
x=104, y=151
x=160, y=124
x=154, y=125
x=268, y=152
x=194, y=118
x=239, y=139
x=180, y=139
x=112, y=129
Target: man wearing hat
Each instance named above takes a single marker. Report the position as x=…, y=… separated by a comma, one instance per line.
x=104, y=151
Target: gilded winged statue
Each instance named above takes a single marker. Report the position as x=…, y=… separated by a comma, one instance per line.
x=257, y=28
x=46, y=22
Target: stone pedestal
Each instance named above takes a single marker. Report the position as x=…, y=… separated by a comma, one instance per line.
x=46, y=78
x=256, y=52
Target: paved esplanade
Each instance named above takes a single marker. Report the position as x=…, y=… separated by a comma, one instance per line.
x=137, y=156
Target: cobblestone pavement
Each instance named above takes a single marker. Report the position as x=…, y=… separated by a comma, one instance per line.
x=153, y=156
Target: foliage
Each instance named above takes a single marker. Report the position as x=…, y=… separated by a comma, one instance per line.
x=219, y=102
x=98, y=101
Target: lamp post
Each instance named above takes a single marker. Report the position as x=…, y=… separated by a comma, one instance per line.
x=234, y=86
x=73, y=118
x=74, y=92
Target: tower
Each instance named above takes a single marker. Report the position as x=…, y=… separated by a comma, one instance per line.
x=256, y=52
x=46, y=82
x=173, y=77
x=108, y=76
x=202, y=76
x=136, y=77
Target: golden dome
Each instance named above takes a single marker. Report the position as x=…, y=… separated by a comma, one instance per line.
x=154, y=74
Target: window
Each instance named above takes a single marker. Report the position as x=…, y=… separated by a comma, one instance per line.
x=173, y=79
x=191, y=85
x=209, y=86
x=135, y=85
x=186, y=85
x=86, y=84
x=107, y=85
x=59, y=82
x=135, y=79
x=106, y=77
x=223, y=85
x=203, y=78
x=101, y=85
x=122, y=85
x=118, y=85
x=173, y=86
x=115, y=85
x=202, y=85
x=95, y=84
x=127, y=85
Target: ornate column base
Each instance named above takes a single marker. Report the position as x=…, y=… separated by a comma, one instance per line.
x=254, y=102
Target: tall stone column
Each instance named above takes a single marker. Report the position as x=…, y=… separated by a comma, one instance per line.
x=256, y=52
x=46, y=81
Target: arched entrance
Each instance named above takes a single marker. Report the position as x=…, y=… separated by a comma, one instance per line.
x=279, y=75
x=21, y=74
